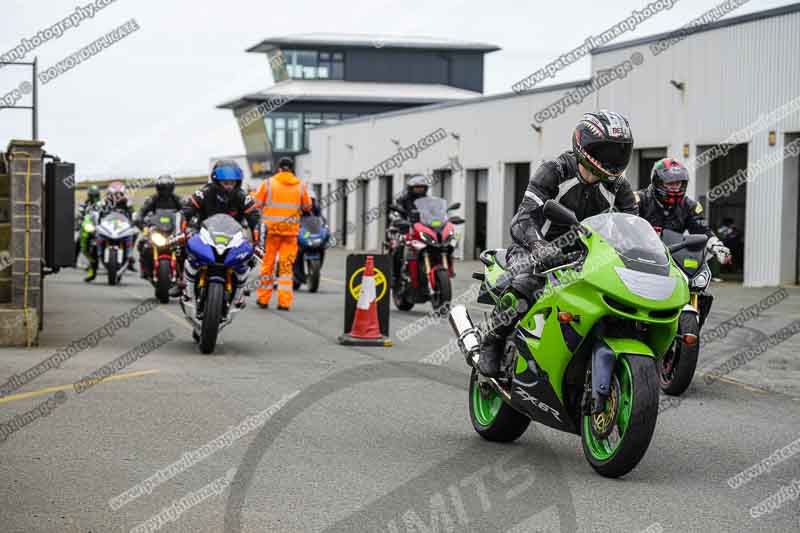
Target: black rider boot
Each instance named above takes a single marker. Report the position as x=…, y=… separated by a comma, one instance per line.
x=502, y=320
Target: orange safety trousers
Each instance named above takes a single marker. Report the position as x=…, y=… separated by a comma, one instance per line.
x=283, y=248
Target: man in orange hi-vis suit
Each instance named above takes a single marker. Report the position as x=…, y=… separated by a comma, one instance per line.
x=283, y=197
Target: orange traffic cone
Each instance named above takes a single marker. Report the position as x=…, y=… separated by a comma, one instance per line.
x=366, y=330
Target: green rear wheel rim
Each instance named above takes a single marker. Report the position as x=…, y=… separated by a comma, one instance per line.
x=486, y=408
x=604, y=449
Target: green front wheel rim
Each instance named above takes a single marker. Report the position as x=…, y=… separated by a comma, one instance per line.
x=604, y=449
x=485, y=409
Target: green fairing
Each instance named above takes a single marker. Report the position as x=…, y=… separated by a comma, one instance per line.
x=581, y=293
x=585, y=352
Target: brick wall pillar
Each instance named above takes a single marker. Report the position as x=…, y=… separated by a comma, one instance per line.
x=25, y=168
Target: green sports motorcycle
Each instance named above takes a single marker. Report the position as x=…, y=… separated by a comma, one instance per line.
x=583, y=357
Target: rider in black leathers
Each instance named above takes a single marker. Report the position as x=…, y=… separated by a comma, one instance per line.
x=664, y=204
x=164, y=198
x=588, y=180
x=416, y=188
x=222, y=196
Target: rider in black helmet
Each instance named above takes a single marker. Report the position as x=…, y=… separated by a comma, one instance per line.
x=588, y=180
x=164, y=198
x=665, y=204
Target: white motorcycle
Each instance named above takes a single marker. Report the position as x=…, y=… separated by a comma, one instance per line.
x=115, y=236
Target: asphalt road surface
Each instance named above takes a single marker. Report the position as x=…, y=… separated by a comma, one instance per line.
x=352, y=439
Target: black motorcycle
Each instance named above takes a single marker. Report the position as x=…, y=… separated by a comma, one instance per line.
x=676, y=368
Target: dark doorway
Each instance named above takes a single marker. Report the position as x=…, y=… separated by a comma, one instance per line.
x=361, y=215
x=341, y=221
x=797, y=214
x=481, y=209
x=388, y=195
x=729, y=211
x=522, y=174
x=648, y=158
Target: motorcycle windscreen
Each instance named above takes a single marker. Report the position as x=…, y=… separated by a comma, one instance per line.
x=115, y=225
x=432, y=211
x=634, y=239
x=223, y=227
x=164, y=220
x=688, y=261
x=311, y=225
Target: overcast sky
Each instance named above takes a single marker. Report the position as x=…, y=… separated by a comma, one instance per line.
x=147, y=105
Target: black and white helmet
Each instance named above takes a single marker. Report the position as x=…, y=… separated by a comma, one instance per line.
x=417, y=186
x=603, y=143
x=165, y=185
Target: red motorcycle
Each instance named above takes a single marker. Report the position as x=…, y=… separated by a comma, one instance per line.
x=157, y=254
x=426, y=239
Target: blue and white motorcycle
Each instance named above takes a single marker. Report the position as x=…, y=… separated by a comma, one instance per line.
x=219, y=261
x=311, y=243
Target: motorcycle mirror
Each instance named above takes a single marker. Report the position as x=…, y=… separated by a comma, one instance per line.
x=454, y=206
x=559, y=214
x=456, y=220
x=694, y=243
x=397, y=210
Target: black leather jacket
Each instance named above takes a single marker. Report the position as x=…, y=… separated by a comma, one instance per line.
x=173, y=201
x=687, y=215
x=559, y=180
x=210, y=201
x=406, y=202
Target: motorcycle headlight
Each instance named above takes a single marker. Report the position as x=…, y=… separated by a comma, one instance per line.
x=427, y=238
x=315, y=242
x=418, y=245
x=89, y=228
x=701, y=280
x=158, y=239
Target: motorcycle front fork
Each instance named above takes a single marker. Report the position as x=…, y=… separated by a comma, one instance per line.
x=429, y=271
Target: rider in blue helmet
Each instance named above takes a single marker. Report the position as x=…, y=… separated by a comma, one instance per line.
x=223, y=194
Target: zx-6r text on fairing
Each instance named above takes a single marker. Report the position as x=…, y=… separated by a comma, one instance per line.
x=583, y=358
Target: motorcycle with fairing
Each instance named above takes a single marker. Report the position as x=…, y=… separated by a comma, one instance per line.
x=676, y=369
x=426, y=238
x=311, y=243
x=219, y=260
x=115, y=235
x=157, y=255
x=583, y=357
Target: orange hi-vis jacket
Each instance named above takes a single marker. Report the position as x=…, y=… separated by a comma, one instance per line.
x=283, y=197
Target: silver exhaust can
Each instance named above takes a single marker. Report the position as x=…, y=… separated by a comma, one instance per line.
x=465, y=331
